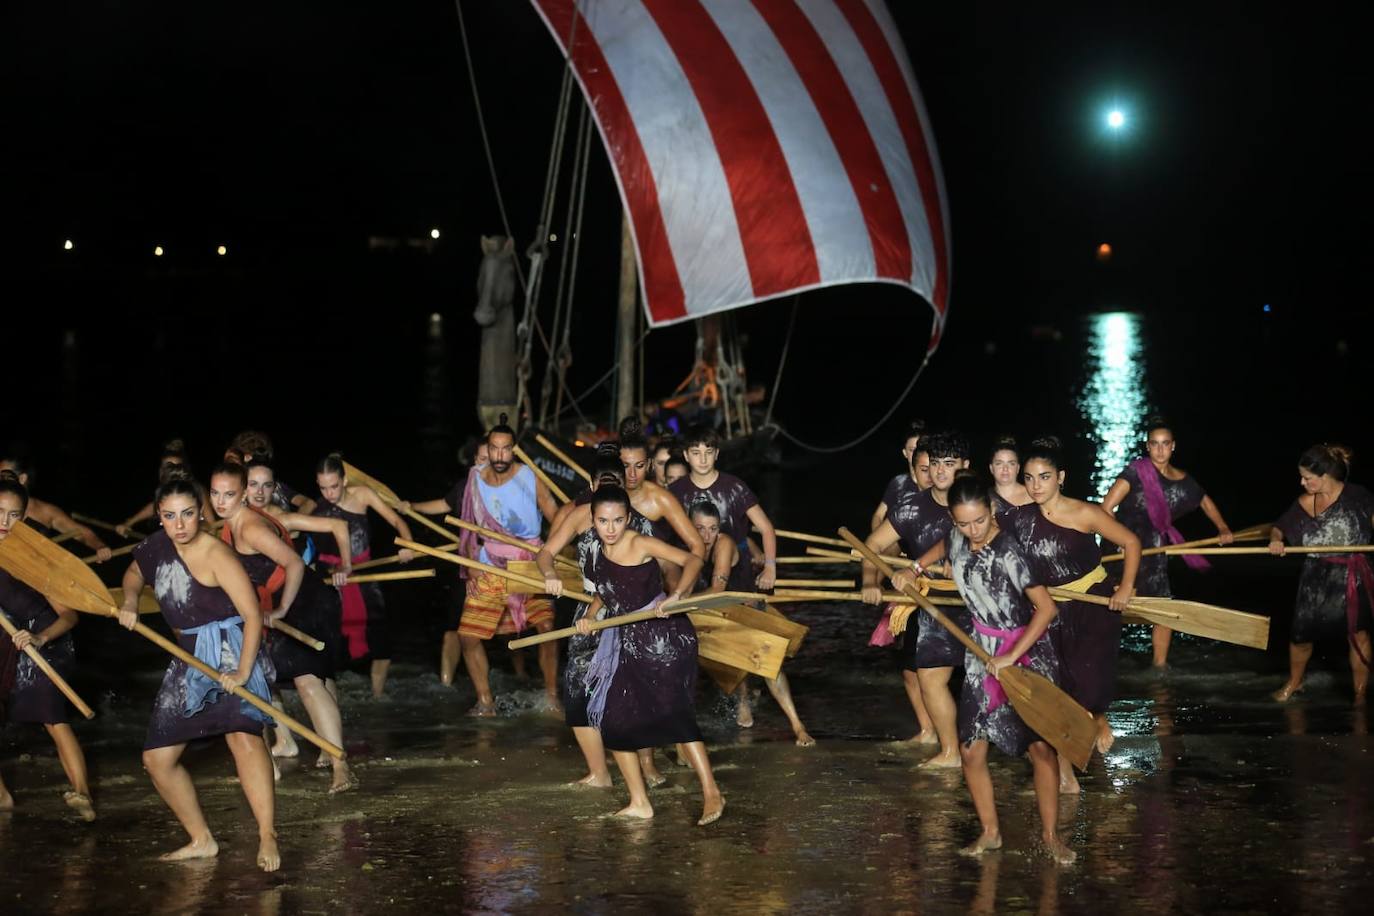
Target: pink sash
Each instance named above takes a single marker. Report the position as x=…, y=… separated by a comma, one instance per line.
x=1157, y=507
x=1357, y=571
x=1005, y=638
x=470, y=544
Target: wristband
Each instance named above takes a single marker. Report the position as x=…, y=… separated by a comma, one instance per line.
x=770, y=562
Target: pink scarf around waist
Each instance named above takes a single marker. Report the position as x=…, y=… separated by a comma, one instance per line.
x=1357, y=571
x=471, y=544
x=1005, y=640
x=1157, y=507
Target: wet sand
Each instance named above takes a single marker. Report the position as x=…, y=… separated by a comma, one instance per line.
x=1214, y=799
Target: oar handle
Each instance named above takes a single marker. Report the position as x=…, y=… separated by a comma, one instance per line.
x=556, y=452
x=921, y=601
x=94, y=522
x=854, y=556
x=387, y=561
x=48, y=669
x=117, y=552
x=814, y=583
x=286, y=629
x=528, y=581
x=500, y=538
x=808, y=538
x=1253, y=533
x=389, y=576
x=595, y=625
x=431, y=525
x=253, y=700
x=789, y=595
x=557, y=492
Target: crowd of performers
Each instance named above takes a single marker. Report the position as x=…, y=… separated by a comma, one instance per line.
x=237, y=557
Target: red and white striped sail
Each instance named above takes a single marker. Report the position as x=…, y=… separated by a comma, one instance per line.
x=762, y=147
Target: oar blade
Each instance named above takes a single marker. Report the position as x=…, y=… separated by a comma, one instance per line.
x=1206, y=620
x=52, y=571
x=770, y=621
x=738, y=645
x=357, y=475
x=1051, y=713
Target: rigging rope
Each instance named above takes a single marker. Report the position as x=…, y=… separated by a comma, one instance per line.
x=832, y=449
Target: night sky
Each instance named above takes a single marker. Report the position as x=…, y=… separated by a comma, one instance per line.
x=293, y=132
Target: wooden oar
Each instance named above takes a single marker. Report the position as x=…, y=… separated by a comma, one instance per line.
x=427, y=573
x=503, y=538
x=387, y=561
x=809, y=538
x=1194, y=617
x=37, y=658
x=506, y=574
x=814, y=583
x=803, y=561
x=1047, y=710
x=1253, y=533
x=557, y=491
x=46, y=567
x=571, y=577
x=117, y=552
x=389, y=497
x=1244, y=551
x=97, y=523
x=63, y=538
x=147, y=601
x=285, y=629
x=668, y=608
x=556, y=452
x=854, y=556
x=788, y=596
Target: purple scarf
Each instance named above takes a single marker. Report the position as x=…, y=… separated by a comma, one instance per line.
x=1157, y=507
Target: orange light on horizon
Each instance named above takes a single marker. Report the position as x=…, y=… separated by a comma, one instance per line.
x=1104, y=252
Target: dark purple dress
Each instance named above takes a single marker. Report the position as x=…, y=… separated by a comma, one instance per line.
x=643, y=675
x=993, y=582
x=921, y=524
x=1087, y=637
x=187, y=603
x=1321, y=610
x=364, y=622
x=314, y=612
x=900, y=492
x=1183, y=497
x=26, y=693
x=581, y=648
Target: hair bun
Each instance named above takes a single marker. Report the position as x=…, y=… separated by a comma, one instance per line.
x=1047, y=442
x=1004, y=442
x=502, y=419
x=608, y=449
x=630, y=426
x=1341, y=452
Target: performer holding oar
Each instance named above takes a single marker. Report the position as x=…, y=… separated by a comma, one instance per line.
x=1330, y=512
x=1011, y=614
x=662, y=509
x=728, y=570
x=51, y=516
x=208, y=598
x=510, y=499
x=929, y=655
x=905, y=486
x=364, y=610
x=1059, y=536
x=27, y=694
x=642, y=679
x=263, y=546
x=1152, y=495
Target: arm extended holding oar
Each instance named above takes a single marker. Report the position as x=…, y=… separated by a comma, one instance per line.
x=29, y=643
x=561, y=536
x=66, y=525
x=336, y=528
x=375, y=502
x=1086, y=516
x=883, y=539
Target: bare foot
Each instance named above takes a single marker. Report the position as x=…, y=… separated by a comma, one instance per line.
x=276, y=770
x=654, y=780
x=325, y=761
x=985, y=842
x=6, y=801
x=1105, y=738
x=1061, y=854
x=928, y=737
x=804, y=739
x=1068, y=784
x=642, y=812
x=744, y=716
x=344, y=780
x=552, y=705
x=203, y=848
x=711, y=810
x=1285, y=693
x=592, y=781
x=285, y=745
x=269, y=858
x=483, y=710
x=79, y=803
x=941, y=762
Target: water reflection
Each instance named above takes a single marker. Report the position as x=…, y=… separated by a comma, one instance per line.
x=1113, y=400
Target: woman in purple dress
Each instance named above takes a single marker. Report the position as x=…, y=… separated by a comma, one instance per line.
x=1330, y=512
x=26, y=693
x=1011, y=613
x=208, y=600
x=1059, y=536
x=1148, y=497
x=643, y=676
x=364, y=611
x=285, y=591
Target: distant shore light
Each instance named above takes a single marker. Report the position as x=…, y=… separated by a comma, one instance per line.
x=1104, y=252
x=434, y=233
x=67, y=245
x=221, y=250
x=157, y=251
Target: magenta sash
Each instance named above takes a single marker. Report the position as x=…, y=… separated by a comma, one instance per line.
x=882, y=633
x=353, y=619
x=470, y=544
x=1357, y=571
x=1005, y=638
x=1157, y=507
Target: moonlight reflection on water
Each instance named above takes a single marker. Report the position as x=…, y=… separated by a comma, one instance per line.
x=1113, y=399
